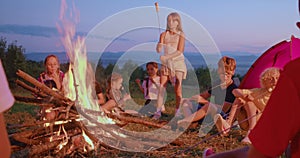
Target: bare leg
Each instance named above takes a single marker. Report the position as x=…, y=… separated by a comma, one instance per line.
x=161, y=93
x=196, y=116
x=237, y=103
x=160, y=97
x=251, y=111
x=178, y=89
x=187, y=108
x=109, y=105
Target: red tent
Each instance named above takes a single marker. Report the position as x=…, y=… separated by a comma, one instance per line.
x=276, y=56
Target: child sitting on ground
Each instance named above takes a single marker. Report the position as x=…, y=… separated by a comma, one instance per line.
x=222, y=94
x=150, y=89
x=252, y=100
x=115, y=98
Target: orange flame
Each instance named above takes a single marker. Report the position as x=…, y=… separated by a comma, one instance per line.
x=80, y=89
x=76, y=51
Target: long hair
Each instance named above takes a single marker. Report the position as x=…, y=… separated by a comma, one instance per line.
x=52, y=56
x=175, y=16
x=110, y=80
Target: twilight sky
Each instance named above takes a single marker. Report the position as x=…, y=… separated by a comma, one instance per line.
x=234, y=25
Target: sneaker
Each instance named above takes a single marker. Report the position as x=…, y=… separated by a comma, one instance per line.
x=157, y=115
x=207, y=152
x=221, y=124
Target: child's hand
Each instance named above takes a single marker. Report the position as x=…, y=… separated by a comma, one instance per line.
x=159, y=47
x=249, y=97
x=240, y=101
x=138, y=81
x=163, y=59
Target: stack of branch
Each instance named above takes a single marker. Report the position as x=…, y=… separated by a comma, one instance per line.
x=46, y=134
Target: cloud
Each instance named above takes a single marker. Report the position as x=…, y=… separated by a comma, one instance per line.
x=120, y=39
x=32, y=30
x=48, y=32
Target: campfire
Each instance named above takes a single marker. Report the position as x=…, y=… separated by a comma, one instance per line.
x=67, y=127
x=72, y=122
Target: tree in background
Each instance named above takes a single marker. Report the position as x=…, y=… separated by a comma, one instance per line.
x=13, y=59
x=100, y=74
x=3, y=47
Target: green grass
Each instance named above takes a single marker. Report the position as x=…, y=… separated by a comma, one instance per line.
x=22, y=107
x=18, y=91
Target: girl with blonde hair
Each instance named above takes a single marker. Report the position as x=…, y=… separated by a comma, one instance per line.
x=115, y=98
x=173, y=67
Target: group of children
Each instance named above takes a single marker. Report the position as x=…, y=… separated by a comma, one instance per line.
x=252, y=100
x=227, y=97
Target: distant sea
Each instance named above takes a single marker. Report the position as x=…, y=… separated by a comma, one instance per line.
x=194, y=60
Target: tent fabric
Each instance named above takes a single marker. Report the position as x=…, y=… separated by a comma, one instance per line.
x=276, y=56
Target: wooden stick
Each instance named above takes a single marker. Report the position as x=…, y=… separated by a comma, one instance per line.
x=37, y=149
x=128, y=119
x=37, y=123
x=40, y=102
x=138, y=121
x=34, y=90
x=24, y=137
x=40, y=85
